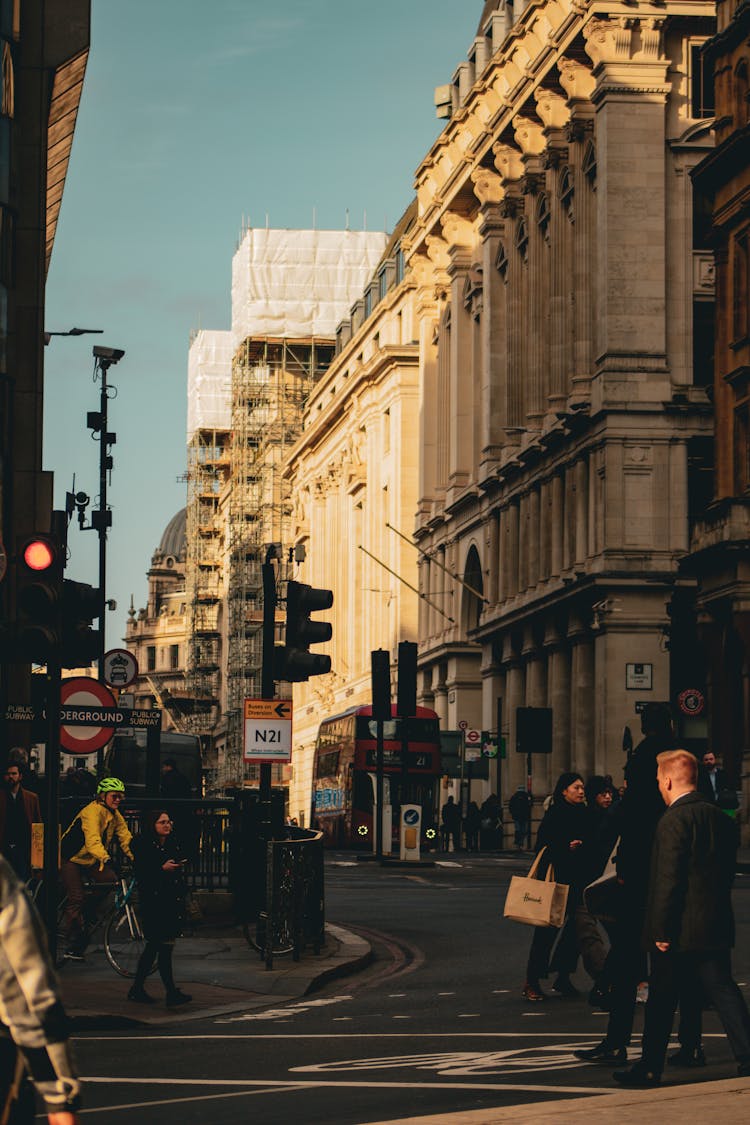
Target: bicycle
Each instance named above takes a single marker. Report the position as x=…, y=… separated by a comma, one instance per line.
x=122, y=938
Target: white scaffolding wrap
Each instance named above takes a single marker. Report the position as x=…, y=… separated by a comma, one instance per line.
x=295, y=284
x=209, y=404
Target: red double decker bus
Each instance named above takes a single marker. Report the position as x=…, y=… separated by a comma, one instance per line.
x=344, y=773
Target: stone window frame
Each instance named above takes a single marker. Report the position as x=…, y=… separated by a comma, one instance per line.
x=522, y=239
x=741, y=93
x=566, y=191
x=588, y=163
x=740, y=287
x=700, y=80
x=543, y=216
x=502, y=262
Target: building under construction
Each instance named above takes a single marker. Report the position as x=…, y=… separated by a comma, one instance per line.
x=247, y=394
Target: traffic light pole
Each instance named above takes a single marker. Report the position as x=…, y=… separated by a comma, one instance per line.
x=267, y=685
x=52, y=824
x=101, y=516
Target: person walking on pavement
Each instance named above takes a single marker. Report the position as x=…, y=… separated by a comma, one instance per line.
x=519, y=807
x=19, y=809
x=450, y=817
x=472, y=824
x=161, y=891
x=591, y=944
x=33, y=1027
x=638, y=815
x=566, y=833
x=95, y=828
x=689, y=928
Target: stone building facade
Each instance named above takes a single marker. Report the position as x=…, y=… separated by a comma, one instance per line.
x=562, y=294
x=721, y=539
x=353, y=472
x=156, y=634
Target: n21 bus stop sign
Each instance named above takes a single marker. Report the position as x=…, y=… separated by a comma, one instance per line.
x=81, y=697
x=268, y=730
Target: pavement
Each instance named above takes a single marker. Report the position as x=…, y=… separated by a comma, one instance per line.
x=217, y=967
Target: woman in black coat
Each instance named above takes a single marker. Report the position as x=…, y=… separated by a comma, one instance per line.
x=566, y=832
x=161, y=894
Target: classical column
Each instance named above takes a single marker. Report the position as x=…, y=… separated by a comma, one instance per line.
x=631, y=69
x=427, y=315
x=557, y=519
x=532, y=568
x=523, y=544
x=582, y=510
x=515, y=773
x=459, y=236
x=536, y=696
x=502, y=575
x=510, y=167
x=530, y=139
x=583, y=733
x=558, y=698
x=513, y=546
x=489, y=189
x=493, y=556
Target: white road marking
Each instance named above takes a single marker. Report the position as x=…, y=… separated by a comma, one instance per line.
x=394, y=995
x=96, y=1037
x=447, y=863
x=461, y=1064
x=119, y=1080
x=196, y=1098
x=401, y=1017
x=469, y=1015
x=446, y=994
x=280, y=1013
x=533, y=1013
x=500, y=991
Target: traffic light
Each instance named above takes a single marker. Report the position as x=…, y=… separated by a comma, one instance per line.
x=295, y=662
x=39, y=570
x=80, y=643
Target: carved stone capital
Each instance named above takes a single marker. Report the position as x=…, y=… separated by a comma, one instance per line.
x=529, y=136
x=552, y=109
x=458, y=231
x=437, y=250
x=576, y=80
x=488, y=186
x=508, y=162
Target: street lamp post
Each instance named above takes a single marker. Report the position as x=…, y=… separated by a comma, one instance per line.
x=101, y=519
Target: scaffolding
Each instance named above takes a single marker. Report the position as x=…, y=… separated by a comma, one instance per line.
x=208, y=469
x=271, y=382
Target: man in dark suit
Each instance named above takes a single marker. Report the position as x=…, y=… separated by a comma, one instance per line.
x=19, y=809
x=689, y=928
x=716, y=776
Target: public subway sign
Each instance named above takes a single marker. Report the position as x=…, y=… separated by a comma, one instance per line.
x=73, y=716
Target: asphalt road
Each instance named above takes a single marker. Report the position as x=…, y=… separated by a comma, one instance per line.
x=436, y=1024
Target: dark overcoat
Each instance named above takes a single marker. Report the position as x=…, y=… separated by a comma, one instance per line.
x=161, y=894
x=692, y=869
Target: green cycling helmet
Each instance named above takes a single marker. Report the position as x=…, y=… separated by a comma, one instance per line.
x=110, y=785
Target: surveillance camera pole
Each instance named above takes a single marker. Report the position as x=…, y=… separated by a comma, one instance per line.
x=102, y=518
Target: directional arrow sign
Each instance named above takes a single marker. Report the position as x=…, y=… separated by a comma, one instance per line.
x=268, y=730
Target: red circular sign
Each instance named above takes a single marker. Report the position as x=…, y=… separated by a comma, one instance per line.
x=80, y=691
x=691, y=701
x=473, y=736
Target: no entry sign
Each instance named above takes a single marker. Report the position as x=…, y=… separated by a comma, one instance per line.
x=89, y=696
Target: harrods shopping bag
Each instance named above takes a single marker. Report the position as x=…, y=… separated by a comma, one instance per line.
x=536, y=902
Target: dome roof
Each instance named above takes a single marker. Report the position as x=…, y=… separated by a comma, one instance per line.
x=173, y=539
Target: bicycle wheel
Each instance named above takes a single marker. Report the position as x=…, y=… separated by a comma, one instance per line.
x=124, y=942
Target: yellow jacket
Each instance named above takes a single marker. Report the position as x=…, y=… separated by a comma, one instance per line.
x=99, y=825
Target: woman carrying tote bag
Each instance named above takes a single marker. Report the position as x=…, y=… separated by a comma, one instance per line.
x=566, y=833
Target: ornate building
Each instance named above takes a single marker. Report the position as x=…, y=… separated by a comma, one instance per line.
x=353, y=476
x=721, y=540
x=156, y=634
x=563, y=294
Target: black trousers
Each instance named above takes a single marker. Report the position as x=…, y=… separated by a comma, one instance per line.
x=672, y=975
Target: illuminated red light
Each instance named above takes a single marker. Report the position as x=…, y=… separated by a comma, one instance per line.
x=38, y=555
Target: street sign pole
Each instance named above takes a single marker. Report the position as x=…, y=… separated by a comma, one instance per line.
x=267, y=688
x=52, y=824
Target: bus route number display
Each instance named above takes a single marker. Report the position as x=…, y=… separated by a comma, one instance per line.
x=267, y=730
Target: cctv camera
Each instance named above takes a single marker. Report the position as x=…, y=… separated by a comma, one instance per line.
x=111, y=355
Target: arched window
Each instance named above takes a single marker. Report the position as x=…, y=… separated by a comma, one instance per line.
x=472, y=598
x=501, y=262
x=589, y=162
x=522, y=240
x=543, y=215
x=741, y=94
x=566, y=191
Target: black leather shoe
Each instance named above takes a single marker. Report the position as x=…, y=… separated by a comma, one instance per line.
x=176, y=999
x=688, y=1057
x=603, y=1054
x=564, y=987
x=743, y=1069
x=600, y=997
x=638, y=1076
x=140, y=996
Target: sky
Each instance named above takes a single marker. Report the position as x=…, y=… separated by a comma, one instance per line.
x=197, y=120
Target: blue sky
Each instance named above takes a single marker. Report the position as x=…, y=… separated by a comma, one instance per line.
x=194, y=118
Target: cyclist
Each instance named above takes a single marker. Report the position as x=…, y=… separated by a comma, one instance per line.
x=95, y=827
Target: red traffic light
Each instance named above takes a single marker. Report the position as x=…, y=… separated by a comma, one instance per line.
x=39, y=554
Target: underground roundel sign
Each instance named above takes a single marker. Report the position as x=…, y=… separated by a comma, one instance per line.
x=691, y=701
x=91, y=699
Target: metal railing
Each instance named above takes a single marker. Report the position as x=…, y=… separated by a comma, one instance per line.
x=294, y=914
